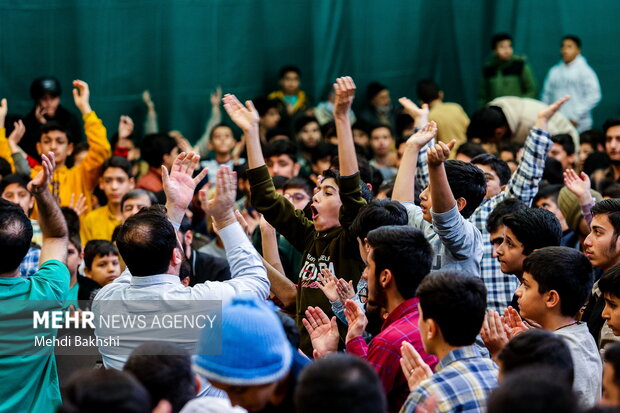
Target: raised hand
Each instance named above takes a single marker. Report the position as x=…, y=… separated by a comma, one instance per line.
x=413, y=366
x=4, y=109
x=546, y=114
x=345, y=93
x=327, y=284
x=513, y=323
x=578, y=185
x=221, y=206
x=323, y=332
x=419, y=114
x=252, y=219
x=81, y=96
x=493, y=333
x=146, y=97
x=246, y=117
x=39, y=113
x=216, y=97
x=179, y=185
x=423, y=136
x=345, y=290
x=125, y=129
x=41, y=182
x=79, y=205
x=356, y=319
x=439, y=153
x=16, y=136
x=182, y=143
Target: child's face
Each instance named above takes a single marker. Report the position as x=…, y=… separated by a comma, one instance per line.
x=494, y=186
x=55, y=141
x=551, y=205
x=290, y=83
x=569, y=50
x=321, y=165
x=223, y=140
x=531, y=301
x=104, y=269
x=298, y=197
x=558, y=153
x=326, y=205
x=503, y=49
x=270, y=119
x=585, y=149
x=426, y=203
x=310, y=134
x=115, y=183
x=74, y=259
x=601, y=246
x=19, y=195
x=381, y=141
x=510, y=253
x=360, y=138
x=50, y=104
x=611, y=312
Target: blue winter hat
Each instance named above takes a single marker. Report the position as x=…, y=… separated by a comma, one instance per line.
x=255, y=350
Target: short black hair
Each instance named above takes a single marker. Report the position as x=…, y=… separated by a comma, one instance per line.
x=104, y=390
x=609, y=283
x=5, y=168
x=574, y=38
x=281, y=147
x=262, y=105
x=566, y=142
x=72, y=219
x=301, y=122
x=403, y=121
x=118, y=162
x=137, y=193
x=511, y=147
x=165, y=370
x=466, y=181
x=275, y=132
x=499, y=37
x=611, y=208
x=378, y=213
x=21, y=180
x=53, y=125
x=500, y=167
x=446, y=293
x=362, y=125
x=504, y=208
x=470, y=149
x=553, y=172
x=146, y=242
x=547, y=191
x=594, y=137
x=405, y=252
x=533, y=390
x=428, y=90
x=373, y=89
x=535, y=228
x=98, y=248
x=565, y=270
x=299, y=183
x=322, y=151
x=485, y=121
x=612, y=191
x=610, y=123
x=339, y=382
x=380, y=126
x=538, y=347
x=15, y=236
x=612, y=356
x=154, y=146
x=289, y=68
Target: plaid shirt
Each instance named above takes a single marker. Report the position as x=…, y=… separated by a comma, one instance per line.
x=383, y=353
x=462, y=382
x=30, y=263
x=524, y=186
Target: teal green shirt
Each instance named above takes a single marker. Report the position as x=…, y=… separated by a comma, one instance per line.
x=72, y=296
x=29, y=381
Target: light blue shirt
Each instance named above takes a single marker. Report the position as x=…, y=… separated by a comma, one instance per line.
x=578, y=80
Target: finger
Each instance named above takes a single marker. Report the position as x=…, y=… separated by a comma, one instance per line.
x=406, y=366
x=71, y=200
x=321, y=280
x=309, y=327
x=201, y=175
x=322, y=316
x=165, y=177
x=451, y=144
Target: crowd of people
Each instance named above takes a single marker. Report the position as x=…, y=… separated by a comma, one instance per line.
x=405, y=258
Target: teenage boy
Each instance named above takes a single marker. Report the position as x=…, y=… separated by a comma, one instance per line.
x=563, y=150
x=456, y=189
x=325, y=240
x=157, y=149
x=116, y=180
x=281, y=158
x=399, y=257
x=556, y=283
x=463, y=378
x=83, y=178
x=609, y=287
x=101, y=261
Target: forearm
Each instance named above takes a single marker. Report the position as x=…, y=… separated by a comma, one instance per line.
x=51, y=220
x=441, y=194
x=404, y=184
x=346, y=148
x=150, y=123
x=281, y=286
x=21, y=164
x=270, y=248
x=255, y=153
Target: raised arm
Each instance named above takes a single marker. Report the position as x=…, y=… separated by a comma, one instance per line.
x=202, y=146
x=281, y=286
x=441, y=195
x=51, y=220
x=345, y=93
x=150, y=123
x=246, y=117
x=404, y=185
x=179, y=186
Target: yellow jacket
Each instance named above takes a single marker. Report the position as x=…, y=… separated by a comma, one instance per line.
x=98, y=224
x=5, y=149
x=83, y=178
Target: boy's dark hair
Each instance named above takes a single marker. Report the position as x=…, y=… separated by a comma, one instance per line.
x=362, y=125
x=405, y=252
x=504, y=208
x=466, y=181
x=118, y=162
x=553, y=172
x=610, y=123
x=322, y=151
x=594, y=137
x=262, y=105
x=136, y=193
x=146, y=242
x=485, y=121
x=74, y=238
x=538, y=348
x=574, y=38
x=535, y=228
x=547, y=191
x=612, y=356
x=470, y=149
x=154, y=146
x=564, y=270
x=52, y=125
x=609, y=282
x=104, y=390
x=500, y=167
x=165, y=370
x=511, y=147
x=289, y=68
x=72, y=219
x=299, y=183
x=499, y=37
x=9, y=179
x=281, y=147
x=272, y=133
x=15, y=236
x=378, y=126
x=303, y=121
x=566, y=141
x=98, y=248
x=447, y=293
x=5, y=168
x=533, y=390
x=376, y=214
x=337, y=383
x=428, y=90
x=612, y=191
x=373, y=89
x=403, y=121
x=279, y=181
x=611, y=208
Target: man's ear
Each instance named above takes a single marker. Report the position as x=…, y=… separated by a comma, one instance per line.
x=101, y=183
x=86, y=270
x=433, y=329
x=296, y=168
x=39, y=149
x=552, y=299
x=188, y=238
x=503, y=188
x=132, y=183
x=176, y=258
x=461, y=203
x=386, y=278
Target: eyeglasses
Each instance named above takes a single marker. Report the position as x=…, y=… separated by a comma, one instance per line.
x=298, y=196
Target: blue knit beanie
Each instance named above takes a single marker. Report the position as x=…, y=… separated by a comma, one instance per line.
x=255, y=350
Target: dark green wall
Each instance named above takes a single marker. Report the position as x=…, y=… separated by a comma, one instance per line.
x=182, y=49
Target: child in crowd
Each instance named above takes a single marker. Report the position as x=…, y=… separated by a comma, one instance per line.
x=101, y=261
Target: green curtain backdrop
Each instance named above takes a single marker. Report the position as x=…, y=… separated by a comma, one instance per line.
x=182, y=49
